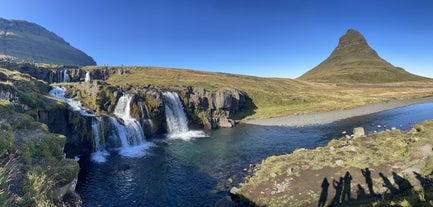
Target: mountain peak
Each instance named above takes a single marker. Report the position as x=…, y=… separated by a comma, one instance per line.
x=350, y=39
x=354, y=61
x=352, y=43
x=25, y=41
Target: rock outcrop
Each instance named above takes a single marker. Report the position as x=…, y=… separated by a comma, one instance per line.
x=213, y=109
x=76, y=128
x=204, y=109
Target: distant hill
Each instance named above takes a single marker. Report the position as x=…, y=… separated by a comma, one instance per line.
x=25, y=41
x=354, y=61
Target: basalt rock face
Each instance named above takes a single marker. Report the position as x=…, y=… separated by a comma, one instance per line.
x=354, y=61
x=204, y=109
x=76, y=74
x=75, y=127
x=105, y=73
x=212, y=109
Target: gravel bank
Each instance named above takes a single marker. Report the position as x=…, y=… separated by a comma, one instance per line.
x=332, y=116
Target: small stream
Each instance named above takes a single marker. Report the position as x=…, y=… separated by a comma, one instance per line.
x=178, y=172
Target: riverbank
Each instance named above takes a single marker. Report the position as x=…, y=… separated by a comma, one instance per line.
x=332, y=116
x=381, y=169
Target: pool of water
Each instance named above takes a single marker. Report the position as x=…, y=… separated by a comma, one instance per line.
x=176, y=172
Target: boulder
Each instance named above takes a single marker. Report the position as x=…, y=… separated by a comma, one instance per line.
x=234, y=190
x=358, y=132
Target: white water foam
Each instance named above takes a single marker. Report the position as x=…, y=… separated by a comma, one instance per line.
x=176, y=119
x=75, y=105
x=87, y=78
x=63, y=76
x=130, y=132
x=100, y=155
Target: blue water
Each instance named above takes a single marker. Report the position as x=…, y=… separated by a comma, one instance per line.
x=195, y=172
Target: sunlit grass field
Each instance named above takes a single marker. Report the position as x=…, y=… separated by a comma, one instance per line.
x=273, y=97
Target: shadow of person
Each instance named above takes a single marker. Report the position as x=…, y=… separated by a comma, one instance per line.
x=367, y=174
x=360, y=193
x=403, y=184
x=338, y=186
x=346, y=188
x=324, y=193
x=393, y=190
x=426, y=183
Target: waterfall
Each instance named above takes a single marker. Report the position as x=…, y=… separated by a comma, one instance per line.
x=87, y=78
x=99, y=154
x=63, y=76
x=130, y=133
x=177, y=121
x=75, y=105
x=51, y=77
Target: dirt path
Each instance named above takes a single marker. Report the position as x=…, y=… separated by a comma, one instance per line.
x=332, y=116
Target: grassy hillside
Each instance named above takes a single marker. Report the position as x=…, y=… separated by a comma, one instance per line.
x=32, y=166
x=273, y=97
x=24, y=41
x=353, y=60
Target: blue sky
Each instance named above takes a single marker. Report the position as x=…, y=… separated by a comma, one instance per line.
x=269, y=38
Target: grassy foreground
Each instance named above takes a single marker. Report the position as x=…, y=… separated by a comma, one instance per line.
x=391, y=168
x=273, y=97
x=32, y=166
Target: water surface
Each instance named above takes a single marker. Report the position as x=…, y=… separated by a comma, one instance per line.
x=194, y=173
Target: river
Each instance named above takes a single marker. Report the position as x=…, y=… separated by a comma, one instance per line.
x=176, y=172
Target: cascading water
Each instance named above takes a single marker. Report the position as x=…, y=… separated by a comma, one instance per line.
x=87, y=78
x=99, y=154
x=75, y=105
x=51, y=77
x=63, y=76
x=176, y=119
x=130, y=132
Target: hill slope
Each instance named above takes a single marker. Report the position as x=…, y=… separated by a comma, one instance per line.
x=353, y=60
x=25, y=41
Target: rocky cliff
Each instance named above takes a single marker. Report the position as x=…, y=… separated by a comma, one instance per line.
x=205, y=109
x=213, y=109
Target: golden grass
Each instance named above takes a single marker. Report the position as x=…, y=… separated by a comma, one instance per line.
x=273, y=97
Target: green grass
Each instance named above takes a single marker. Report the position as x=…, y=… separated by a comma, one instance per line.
x=39, y=152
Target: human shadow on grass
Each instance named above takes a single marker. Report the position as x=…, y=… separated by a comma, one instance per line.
x=426, y=183
x=324, y=193
x=398, y=189
x=342, y=191
x=346, y=196
x=367, y=175
x=338, y=186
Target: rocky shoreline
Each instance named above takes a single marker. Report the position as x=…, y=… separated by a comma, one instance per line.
x=394, y=166
x=332, y=116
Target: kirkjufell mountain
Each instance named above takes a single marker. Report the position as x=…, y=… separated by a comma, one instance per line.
x=29, y=42
x=354, y=61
